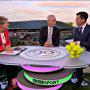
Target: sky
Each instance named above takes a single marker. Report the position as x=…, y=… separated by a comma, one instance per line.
x=24, y=10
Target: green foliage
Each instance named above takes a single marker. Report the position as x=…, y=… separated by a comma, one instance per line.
x=15, y=41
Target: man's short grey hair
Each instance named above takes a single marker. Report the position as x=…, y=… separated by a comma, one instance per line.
x=49, y=17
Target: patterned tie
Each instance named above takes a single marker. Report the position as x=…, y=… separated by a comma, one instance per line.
x=80, y=30
x=50, y=35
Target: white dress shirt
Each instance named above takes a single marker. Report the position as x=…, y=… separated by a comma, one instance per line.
x=83, y=27
x=3, y=38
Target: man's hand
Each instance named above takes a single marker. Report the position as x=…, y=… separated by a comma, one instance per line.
x=37, y=44
x=48, y=44
x=77, y=42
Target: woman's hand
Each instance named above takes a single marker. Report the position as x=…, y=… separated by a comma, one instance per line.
x=8, y=48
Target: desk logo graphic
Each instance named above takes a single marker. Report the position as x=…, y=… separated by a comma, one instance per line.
x=45, y=82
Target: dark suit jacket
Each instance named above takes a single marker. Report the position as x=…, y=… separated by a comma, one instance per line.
x=84, y=38
x=44, y=34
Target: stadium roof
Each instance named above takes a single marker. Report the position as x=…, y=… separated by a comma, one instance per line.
x=37, y=24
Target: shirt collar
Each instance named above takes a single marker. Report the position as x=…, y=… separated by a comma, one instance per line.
x=50, y=27
x=84, y=25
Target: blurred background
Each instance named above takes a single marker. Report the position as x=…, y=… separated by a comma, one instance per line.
x=26, y=17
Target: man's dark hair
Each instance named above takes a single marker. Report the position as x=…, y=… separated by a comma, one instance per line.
x=83, y=15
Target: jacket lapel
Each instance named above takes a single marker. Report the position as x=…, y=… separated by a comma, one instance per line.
x=84, y=31
x=46, y=32
x=53, y=34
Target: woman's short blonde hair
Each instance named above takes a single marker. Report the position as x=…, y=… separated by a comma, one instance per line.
x=3, y=19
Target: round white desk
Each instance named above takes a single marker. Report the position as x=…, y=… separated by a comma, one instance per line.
x=65, y=62
x=40, y=62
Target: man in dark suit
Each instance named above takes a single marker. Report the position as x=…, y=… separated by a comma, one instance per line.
x=82, y=32
x=50, y=35
x=82, y=37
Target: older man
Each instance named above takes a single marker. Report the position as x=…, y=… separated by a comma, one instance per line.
x=50, y=35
